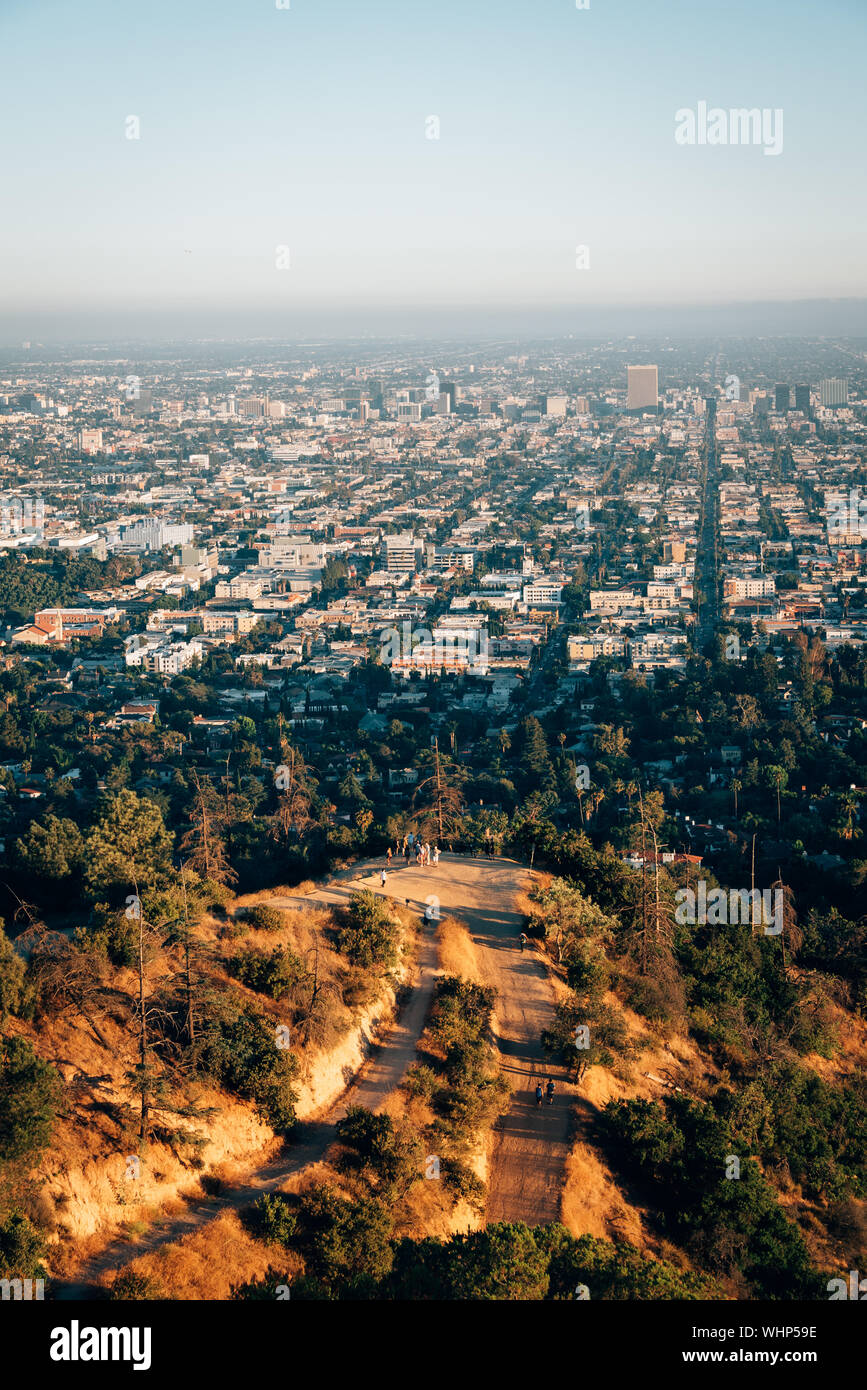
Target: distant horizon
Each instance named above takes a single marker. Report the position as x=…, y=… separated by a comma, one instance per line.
x=807, y=317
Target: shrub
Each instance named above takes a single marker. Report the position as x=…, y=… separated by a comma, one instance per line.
x=263, y=917
x=368, y=935
x=389, y=1156
x=129, y=1287
x=463, y=1183
x=241, y=1052
x=619, y=1272
x=22, y=1249
x=461, y=1012
x=346, y=1245
x=421, y=1081
x=275, y=973
x=272, y=1218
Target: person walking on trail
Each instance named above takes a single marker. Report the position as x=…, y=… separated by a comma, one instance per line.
x=388, y=856
x=538, y=1093
x=549, y=1092
x=406, y=853
x=523, y=941
x=436, y=854
x=382, y=877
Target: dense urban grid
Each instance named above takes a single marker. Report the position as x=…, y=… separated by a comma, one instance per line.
x=595, y=608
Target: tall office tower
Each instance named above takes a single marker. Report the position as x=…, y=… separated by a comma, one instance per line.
x=802, y=399
x=762, y=405
x=782, y=399
x=448, y=388
x=642, y=388
x=834, y=390
x=143, y=403
x=582, y=405
x=552, y=405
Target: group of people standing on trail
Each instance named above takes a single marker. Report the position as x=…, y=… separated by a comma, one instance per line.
x=425, y=854
x=412, y=847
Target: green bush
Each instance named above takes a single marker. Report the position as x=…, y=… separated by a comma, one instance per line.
x=421, y=1081
x=388, y=1156
x=368, y=935
x=22, y=1249
x=463, y=1183
x=272, y=1218
x=241, y=1052
x=263, y=917
x=620, y=1272
x=275, y=973
x=345, y=1244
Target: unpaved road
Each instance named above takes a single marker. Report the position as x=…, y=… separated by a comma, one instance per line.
x=530, y=1146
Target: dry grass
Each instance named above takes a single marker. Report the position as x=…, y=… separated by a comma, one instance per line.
x=534, y=879
x=456, y=950
x=213, y=1262
x=592, y=1204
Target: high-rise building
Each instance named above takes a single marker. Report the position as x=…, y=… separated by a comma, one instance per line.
x=833, y=391
x=582, y=405
x=642, y=388
x=782, y=399
x=802, y=399
x=90, y=441
x=552, y=405
x=401, y=553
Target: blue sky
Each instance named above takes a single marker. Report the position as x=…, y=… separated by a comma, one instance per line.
x=306, y=128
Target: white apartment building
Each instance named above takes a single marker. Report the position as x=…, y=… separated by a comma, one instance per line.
x=749, y=586
x=155, y=652
x=153, y=534
x=400, y=553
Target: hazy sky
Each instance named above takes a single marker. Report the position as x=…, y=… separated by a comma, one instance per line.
x=306, y=128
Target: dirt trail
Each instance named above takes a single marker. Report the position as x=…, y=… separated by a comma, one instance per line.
x=530, y=1149
x=531, y=1144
